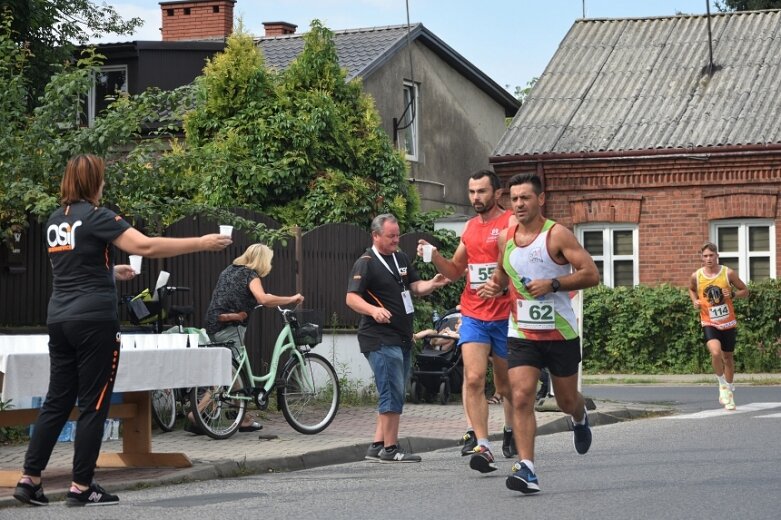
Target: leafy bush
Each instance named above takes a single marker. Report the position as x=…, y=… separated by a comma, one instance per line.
x=655, y=330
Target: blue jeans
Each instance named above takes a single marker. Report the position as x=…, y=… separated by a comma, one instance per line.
x=390, y=365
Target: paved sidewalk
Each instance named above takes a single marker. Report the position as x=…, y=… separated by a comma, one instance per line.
x=424, y=427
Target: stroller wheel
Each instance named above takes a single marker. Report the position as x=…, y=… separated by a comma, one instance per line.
x=415, y=392
x=444, y=392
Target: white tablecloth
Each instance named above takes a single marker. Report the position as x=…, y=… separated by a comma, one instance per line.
x=157, y=363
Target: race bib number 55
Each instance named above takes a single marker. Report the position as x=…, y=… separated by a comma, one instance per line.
x=480, y=273
x=536, y=314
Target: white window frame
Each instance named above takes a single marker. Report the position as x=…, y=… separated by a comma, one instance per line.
x=744, y=255
x=607, y=257
x=92, y=91
x=412, y=128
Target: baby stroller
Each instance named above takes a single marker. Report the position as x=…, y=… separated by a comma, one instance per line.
x=438, y=369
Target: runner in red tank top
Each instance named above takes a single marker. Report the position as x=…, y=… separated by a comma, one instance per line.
x=483, y=331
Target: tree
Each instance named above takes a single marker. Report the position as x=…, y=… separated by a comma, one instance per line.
x=303, y=145
x=747, y=5
x=522, y=93
x=50, y=29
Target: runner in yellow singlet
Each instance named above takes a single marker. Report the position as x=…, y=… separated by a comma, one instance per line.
x=711, y=291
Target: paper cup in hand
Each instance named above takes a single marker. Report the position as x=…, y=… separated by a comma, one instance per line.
x=428, y=250
x=226, y=230
x=135, y=263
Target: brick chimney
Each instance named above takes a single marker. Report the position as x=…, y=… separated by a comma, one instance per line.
x=278, y=29
x=197, y=19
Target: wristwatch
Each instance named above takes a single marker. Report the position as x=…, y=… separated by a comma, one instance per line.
x=555, y=284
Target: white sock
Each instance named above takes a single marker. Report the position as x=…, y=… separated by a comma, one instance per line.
x=722, y=381
x=529, y=464
x=582, y=420
x=484, y=442
x=731, y=387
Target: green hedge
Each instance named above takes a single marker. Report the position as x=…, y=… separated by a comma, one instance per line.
x=652, y=330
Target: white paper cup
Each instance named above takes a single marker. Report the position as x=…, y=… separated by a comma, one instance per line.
x=135, y=263
x=428, y=250
x=226, y=230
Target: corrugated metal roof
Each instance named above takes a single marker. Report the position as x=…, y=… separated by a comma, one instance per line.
x=643, y=84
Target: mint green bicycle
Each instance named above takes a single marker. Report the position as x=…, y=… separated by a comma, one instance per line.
x=307, y=387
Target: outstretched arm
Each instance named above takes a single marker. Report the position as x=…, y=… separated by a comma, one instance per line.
x=136, y=243
x=426, y=287
x=271, y=300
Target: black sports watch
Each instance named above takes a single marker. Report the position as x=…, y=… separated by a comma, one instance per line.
x=555, y=284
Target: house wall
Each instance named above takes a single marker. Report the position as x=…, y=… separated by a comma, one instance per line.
x=458, y=128
x=672, y=201
x=170, y=69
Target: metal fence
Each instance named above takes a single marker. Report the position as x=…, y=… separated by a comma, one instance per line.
x=317, y=264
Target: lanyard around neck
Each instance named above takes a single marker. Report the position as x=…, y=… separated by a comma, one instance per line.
x=395, y=261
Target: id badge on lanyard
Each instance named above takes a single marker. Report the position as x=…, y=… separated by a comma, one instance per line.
x=406, y=297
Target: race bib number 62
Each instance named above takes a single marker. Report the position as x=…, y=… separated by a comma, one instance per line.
x=536, y=314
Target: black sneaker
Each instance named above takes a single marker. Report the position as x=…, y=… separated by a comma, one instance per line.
x=94, y=496
x=581, y=436
x=482, y=460
x=508, y=444
x=30, y=494
x=470, y=443
x=373, y=453
x=397, y=455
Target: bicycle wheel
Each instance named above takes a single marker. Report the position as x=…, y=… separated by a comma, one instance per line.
x=217, y=413
x=164, y=409
x=309, y=393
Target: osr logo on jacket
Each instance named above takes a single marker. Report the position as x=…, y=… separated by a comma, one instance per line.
x=62, y=237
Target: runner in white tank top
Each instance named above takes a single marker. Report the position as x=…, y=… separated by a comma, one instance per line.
x=535, y=261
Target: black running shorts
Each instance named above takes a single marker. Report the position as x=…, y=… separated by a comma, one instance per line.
x=725, y=337
x=560, y=357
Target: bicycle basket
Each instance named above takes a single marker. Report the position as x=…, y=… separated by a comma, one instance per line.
x=308, y=331
x=142, y=310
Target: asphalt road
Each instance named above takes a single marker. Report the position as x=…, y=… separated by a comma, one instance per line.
x=685, y=398
x=704, y=465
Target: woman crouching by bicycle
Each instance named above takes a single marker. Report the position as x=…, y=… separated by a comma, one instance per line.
x=239, y=289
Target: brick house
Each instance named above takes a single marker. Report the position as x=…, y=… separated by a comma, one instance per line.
x=647, y=148
x=459, y=112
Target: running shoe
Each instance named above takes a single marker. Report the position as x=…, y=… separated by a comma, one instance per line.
x=508, y=444
x=94, y=496
x=30, y=493
x=482, y=460
x=730, y=404
x=581, y=436
x=470, y=443
x=373, y=453
x=397, y=455
x=723, y=395
x=522, y=479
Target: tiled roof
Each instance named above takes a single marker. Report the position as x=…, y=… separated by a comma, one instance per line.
x=362, y=51
x=643, y=84
x=357, y=49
